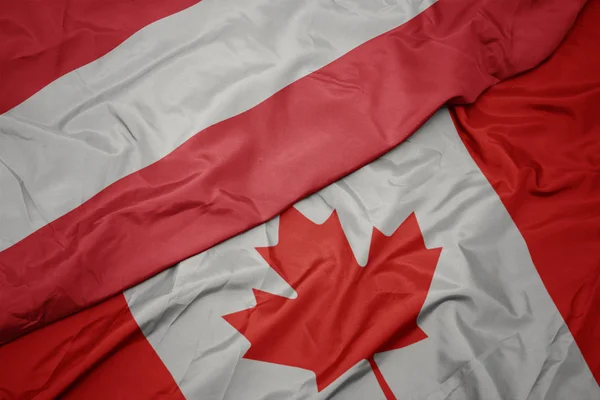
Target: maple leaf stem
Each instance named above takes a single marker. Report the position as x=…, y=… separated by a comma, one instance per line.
x=387, y=391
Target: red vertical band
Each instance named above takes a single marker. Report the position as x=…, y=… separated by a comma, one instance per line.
x=99, y=353
x=537, y=140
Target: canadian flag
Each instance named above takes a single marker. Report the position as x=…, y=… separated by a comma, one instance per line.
x=264, y=200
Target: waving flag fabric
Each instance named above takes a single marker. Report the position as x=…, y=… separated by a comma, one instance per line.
x=110, y=182
x=460, y=264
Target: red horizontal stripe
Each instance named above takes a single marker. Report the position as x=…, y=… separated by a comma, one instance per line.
x=245, y=170
x=41, y=41
x=99, y=353
x=537, y=139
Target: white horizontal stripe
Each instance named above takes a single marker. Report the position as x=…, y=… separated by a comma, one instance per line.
x=494, y=332
x=164, y=84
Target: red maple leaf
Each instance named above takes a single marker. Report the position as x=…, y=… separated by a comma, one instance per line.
x=343, y=313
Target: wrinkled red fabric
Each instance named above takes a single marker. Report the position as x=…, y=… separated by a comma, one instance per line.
x=41, y=41
x=99, y=353
x=537, y=140
x=245, y=170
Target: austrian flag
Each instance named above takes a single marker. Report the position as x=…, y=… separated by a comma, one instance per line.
x=300, y=199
